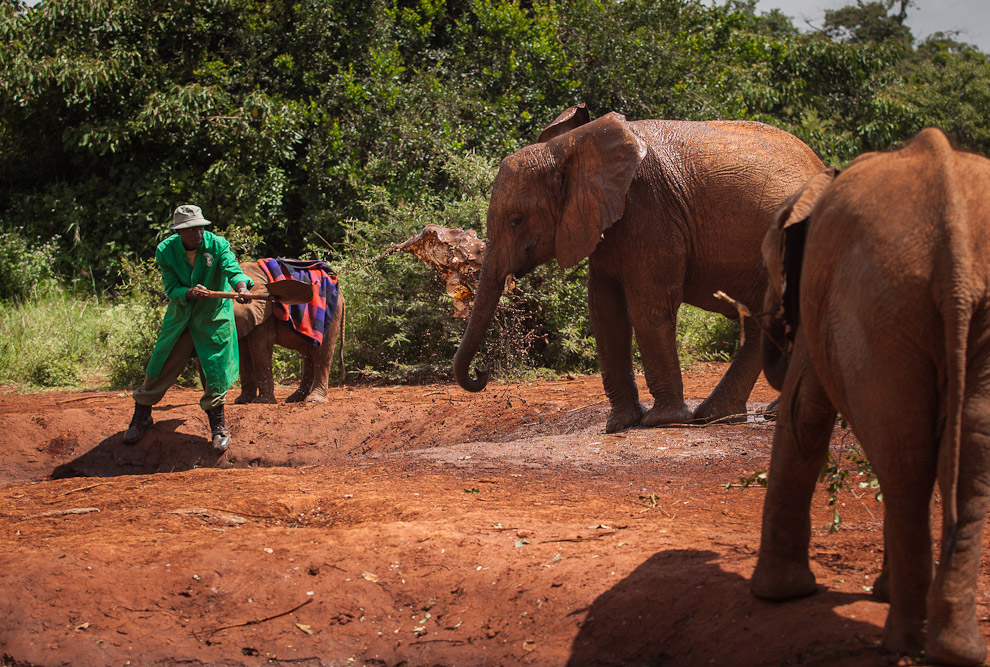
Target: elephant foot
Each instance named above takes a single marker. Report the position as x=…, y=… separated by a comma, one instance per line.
x=622, y=418
x=727, y=412
x=881, y=586
x=905, y=636
x=954, y=636
x=316, y=397
x=661, y=415
x=245, y=398
x=270, y=400
x=295, y=397
x=782, y=581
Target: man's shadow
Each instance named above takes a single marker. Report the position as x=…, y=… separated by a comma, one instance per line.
x=162, y=449
x=680, y=608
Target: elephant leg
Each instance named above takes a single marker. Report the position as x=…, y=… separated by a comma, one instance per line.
x=901, y=446
x=805, y=419
x=953, y=628
x=655, y=320
x=302, y=392
x=249, y=384
x=729, y=396
x=262, y=345
x=322, y=357
x=613, y=340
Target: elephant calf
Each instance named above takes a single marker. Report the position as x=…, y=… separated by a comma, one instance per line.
x=882, y=275
x=258, y=331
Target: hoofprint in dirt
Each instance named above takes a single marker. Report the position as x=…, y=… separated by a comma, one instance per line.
x=420, y=525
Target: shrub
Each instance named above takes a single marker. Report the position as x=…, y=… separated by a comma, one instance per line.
x=26, y=269
x=705, y=336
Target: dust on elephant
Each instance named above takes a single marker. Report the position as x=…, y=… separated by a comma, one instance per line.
x=258, y=333
x=883, y=274
x=667, y=212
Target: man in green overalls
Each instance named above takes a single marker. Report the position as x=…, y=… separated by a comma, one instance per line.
x=193, y=262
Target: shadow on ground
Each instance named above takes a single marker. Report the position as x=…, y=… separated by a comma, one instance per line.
x=680, y=608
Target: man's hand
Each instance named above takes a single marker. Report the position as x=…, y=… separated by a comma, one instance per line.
x=196, y=293
x=242, y=292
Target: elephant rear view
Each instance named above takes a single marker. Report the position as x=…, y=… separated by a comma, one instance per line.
x=666, y=212
x=882, y=275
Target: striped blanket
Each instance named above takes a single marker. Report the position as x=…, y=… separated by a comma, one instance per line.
x=308, y=319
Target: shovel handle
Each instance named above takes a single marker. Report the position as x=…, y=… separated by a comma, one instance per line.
x=233, y=295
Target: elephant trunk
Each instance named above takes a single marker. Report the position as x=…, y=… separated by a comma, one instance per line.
x=485, y=301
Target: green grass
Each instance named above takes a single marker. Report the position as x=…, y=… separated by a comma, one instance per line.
x=53, y=341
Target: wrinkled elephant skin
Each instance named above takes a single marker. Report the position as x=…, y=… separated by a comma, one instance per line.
x=667, y=212
x=881, y=275
x=258, y=332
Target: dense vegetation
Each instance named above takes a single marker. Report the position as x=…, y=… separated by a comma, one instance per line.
x=334, y=129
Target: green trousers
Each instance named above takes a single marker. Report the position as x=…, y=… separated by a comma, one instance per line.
x=152, y=391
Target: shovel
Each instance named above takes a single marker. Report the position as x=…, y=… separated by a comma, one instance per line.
x=287, y=292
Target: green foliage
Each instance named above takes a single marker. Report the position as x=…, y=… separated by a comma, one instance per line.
x=847, y=468
x=704, y=336
x=26, y=270
x=333, y=129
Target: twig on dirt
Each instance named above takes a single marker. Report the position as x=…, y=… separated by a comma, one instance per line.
x=74, y=510
x=85, y=488
x=83, y=398
x=255, y=621
x=587, y=406
x=579, y=538
x=205, y=513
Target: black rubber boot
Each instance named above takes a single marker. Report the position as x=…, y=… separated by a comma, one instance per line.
x=221, y=436
x=140, y=423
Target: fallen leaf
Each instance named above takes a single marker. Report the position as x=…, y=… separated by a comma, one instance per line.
x=370, y=576
x=80, y=628
x=529, y=645
x=305, y=628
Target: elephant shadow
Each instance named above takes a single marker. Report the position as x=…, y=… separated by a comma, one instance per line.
x=680, y=608
x=163, y=449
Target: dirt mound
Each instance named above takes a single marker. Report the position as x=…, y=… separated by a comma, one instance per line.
x=409, y=525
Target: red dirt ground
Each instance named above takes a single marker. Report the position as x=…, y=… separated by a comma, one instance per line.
x=410, y=526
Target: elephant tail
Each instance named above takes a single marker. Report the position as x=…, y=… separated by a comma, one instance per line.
x=953, y=262
x=956, y=335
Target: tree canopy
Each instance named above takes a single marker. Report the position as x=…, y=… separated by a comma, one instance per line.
x=284, y=117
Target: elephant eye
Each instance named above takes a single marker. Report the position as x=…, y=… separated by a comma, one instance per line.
x=515, y=220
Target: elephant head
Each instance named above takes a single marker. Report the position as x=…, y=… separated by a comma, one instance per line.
x=552, y=199
x=783, y=252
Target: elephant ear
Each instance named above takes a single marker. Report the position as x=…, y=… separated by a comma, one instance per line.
x=783, y=248
x=597, y=163
x=574, y=116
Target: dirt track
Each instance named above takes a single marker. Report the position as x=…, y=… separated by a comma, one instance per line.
x=409, y=525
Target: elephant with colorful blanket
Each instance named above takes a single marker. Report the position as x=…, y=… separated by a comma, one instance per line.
x=312, y=329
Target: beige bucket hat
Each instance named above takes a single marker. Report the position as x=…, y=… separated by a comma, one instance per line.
x=187, y=216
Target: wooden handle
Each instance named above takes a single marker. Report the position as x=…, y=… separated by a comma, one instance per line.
x=233, y=295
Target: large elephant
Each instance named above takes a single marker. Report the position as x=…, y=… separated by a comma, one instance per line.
x=667, y=212
x=258, y=333
x=883, y=273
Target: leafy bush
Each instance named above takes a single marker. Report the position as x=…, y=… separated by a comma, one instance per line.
x=704, y=336
x=26, y=270
x=129, y=332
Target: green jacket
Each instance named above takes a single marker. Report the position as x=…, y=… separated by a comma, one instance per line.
x=210, y=321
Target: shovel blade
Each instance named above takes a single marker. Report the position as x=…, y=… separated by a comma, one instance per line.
x=290, y=292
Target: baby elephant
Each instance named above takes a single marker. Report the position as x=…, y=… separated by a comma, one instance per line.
x=259, y=329
x=882, y=278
